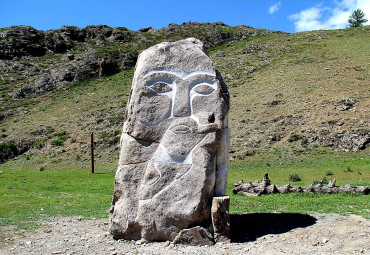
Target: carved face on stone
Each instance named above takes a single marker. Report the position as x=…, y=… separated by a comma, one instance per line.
x=176, y=93
x=175, y=136
x=168, y=88
x=176, y=105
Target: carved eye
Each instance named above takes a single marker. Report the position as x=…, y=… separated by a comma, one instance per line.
x=161, y=87
x=204, y=89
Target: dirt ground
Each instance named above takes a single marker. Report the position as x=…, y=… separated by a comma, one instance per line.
x=251, y=234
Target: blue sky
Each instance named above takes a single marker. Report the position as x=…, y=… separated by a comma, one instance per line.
x=284, y=15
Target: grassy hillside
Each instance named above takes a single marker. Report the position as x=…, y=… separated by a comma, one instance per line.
x=288, y=90
x=302, y=93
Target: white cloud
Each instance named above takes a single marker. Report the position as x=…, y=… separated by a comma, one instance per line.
x=321, y=17
x=275, y=8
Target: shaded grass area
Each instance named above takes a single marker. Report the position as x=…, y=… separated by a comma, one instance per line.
x=28, y=193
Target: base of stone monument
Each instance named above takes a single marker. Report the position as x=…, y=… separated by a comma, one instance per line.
x=218, y=232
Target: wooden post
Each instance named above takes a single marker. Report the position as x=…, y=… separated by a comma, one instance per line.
x=92, y=152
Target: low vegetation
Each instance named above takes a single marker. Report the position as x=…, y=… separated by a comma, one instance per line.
x=30, y=192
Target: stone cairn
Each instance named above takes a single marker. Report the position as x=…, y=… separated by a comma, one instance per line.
x=265, y=187
x=170, y=184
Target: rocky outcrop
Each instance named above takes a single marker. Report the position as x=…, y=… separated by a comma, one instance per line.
x=91, y=65
x=355, y=140
x=20, y=43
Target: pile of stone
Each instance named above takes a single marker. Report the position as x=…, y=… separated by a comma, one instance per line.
x=265, y=187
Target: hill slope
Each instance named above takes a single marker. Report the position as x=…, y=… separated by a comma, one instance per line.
x=290, y=93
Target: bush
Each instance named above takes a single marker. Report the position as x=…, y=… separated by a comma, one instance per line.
x=294, y=137
x=61, y=137
x=323, y=181
x=115, y=120
x=294, y=178
x=42, y=168
x=38, y=144
x=60, y=133
x=348, y=170
x=37, y=132
x=49, y=129
x=110, y=138
x=7, y=151
x=57, y=142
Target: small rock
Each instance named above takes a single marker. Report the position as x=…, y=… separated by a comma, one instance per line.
x=79, y=218
x=138, y=242
x=325, y=240
x=167, y=243
x=194, y=236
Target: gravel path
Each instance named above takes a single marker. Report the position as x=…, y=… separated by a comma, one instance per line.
x=324, y=234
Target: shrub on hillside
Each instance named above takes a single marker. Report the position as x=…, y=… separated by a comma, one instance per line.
x=7, y=150
x=294, y=178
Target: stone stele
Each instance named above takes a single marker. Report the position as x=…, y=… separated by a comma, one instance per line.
x=174, y=145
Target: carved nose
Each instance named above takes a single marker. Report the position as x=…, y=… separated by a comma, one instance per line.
x=181, y=106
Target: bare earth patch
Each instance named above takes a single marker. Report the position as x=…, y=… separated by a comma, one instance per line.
x=323, y=234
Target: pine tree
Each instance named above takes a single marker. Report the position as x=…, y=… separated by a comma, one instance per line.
x=357, y=18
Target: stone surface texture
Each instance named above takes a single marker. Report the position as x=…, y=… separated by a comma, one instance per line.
x=194, y=236
x=221, y=219
x=174, y=146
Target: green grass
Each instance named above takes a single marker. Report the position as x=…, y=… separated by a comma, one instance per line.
x=28, y=195
x=30, y=191
x=310, y=168
x=344, y=204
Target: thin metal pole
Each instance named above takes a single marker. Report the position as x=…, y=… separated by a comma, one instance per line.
x=92, y=152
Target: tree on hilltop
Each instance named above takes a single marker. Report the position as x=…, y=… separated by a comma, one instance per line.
x=357, y=18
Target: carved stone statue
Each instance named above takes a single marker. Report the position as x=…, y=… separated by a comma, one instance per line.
x=174, y=146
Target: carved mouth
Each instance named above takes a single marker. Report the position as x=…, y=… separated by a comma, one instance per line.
x=181, y=129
